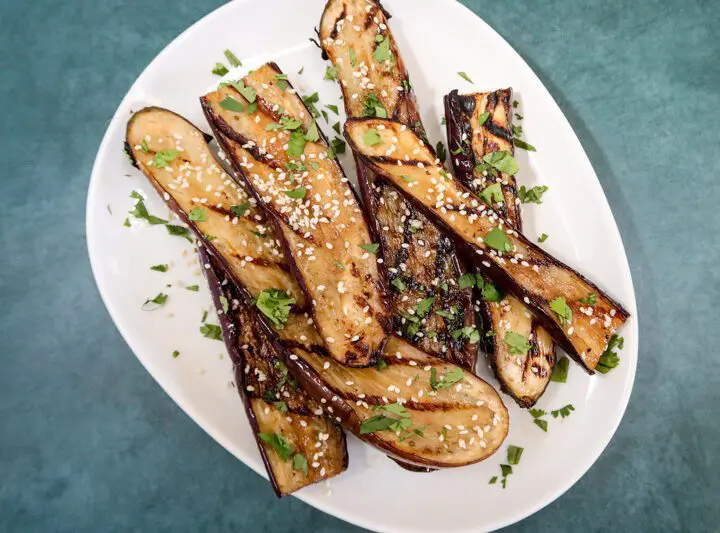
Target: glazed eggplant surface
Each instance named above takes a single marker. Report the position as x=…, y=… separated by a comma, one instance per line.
x=278, y=149
x=403, y=405
x=552, y=289
x=478, y=125
x=421, y=265
x=298, y=446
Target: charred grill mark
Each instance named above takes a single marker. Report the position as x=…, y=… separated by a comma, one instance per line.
x=498, y=131
x=369, y=18
x=393, y=161
x=334, y=32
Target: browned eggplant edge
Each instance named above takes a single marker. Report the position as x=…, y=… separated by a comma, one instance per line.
x=497, y=274
x=457, y=125
x=229, y=330
x=223, y=130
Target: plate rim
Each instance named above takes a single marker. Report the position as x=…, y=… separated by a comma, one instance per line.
x=328, y=506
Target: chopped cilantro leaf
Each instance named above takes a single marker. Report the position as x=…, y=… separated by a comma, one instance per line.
x=517, y=344
x=503, y=161
x=590, y=299
x=211, y=331
x=296, y=144
x=232, y=59
x=219, y=69
x=441, y=151
x=297, y=194
x=533, y=195
x=609, y=358
x=563, y=412
x=542, y=424
x=275, y=304
x=300, y=463
x=464, y=76
x=382, y=51
x=372, y=137
x=482, y=118
x=492, y=194
x=372, y=248
x=398, y=283
x=179, y=231
x=278, y=443
x=231, y=104
x=330, y=73
x=198, y=214
x=560, y=372
x=159, y=268
x=155, y=303
x=523, y=145
x=543, y=237
x=193, y=288
x=560, y=306
x=514, y=453
x=240, y=210
x=496, y=239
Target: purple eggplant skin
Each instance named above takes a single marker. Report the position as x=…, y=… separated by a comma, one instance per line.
x=224, y=133
x=499, y=276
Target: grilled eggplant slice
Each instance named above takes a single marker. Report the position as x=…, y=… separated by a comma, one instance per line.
x=174, y=155
x=421, y=262
x=480, y=124
x=277, y=148
x=552, y=289
x=383, y=405
x=277, y=407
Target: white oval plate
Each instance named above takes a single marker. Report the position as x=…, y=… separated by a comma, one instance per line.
x=438, y=38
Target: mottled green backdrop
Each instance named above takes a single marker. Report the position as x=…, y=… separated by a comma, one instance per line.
x=90, y=443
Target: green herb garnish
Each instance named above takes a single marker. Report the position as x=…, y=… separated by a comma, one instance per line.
x=514, y=453
x=372, y=248
x=523, y=145
x=382, y=51
x=492, y=194
x=211, y=331
x=193, y=288
x=517, y=344
x=279, y=443
x=159, y=268
x=299, y=462
x=496, y=239
x=233, y=105
x=198, y=214
x=296, y=144
x=372, y=137
x=219, y=69
x=590, y=299
x=175, y=354
x=297, y=194
x=448, y=380
x=503, y=161
x=609, y=358
x=482, y=118
x=151, y=304
x=275, y=304
x=179, y=231
x=232, y=59
x=398, y=283
x=465, y=77
x=141, y=212
x=563, y=412
x=543, y=237
x=533, y=195
x=441, y=151
x=560, y=372
x=560, y=306
x=330, y=73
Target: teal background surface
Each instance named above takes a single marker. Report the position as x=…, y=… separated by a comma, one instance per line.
x=90, y=443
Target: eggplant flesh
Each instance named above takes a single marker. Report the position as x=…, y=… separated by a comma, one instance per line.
x=275, y=402
x=420, y=262
x=512, y=261
x=457, y=423
x=477, y=125
x=318, y=217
